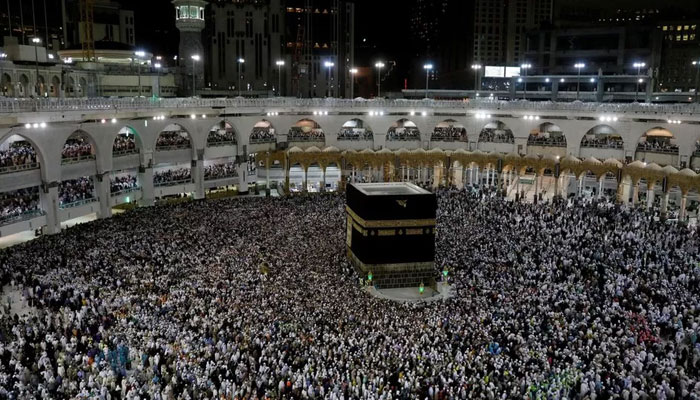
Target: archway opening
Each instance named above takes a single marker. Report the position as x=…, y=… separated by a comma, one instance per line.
x=602, y=137
x=263, y=132
x=355, y=129
x=403, y=129
x=658, y=140
x=547, y=135
x=449, y=131
x=222, y=134
x=19, y=205
x=7, y=86
x=77, y=148
x=17, y=154
x=76, y=192
x=173, y=137
x=125, y=143
x=496, y=132
x=306, y=130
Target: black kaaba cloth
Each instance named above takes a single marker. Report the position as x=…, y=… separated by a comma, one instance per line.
x=391, y=232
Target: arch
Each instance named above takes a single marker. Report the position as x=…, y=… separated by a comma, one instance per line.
x=23, y=85
x=173, y=137
x=7, y=87
x=18, y=153
x=126, y=142
x=602, y=137
x=403, y=129
x=496, y=132
x=222, y=134
x=263, y=132
x=306, y=130
x=55, y=88
x=78, y=147
x=658, y=140
x=449, y=131
x=355, y=129
x=547, y=134
x=70, y=87
x=40, y=85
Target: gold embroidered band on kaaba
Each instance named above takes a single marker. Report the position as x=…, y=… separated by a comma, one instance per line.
x=391, y=223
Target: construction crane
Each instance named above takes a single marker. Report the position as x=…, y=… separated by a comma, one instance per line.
x=87, y=37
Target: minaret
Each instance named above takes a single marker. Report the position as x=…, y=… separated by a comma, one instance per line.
x=189, y=20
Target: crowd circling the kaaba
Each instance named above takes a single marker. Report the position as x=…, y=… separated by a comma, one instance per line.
x=254, y=298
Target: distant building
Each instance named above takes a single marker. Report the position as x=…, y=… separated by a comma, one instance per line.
x=112, y=24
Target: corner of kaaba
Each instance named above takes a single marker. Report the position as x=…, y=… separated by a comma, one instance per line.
x=391, y=233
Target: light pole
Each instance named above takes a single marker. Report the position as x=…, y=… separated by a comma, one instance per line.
x=379, y=66
x=525, y=67
x=280, y=64
x=36, y=42
x=139, y=54
x=353, y=72
x=427, y=68
x=157, y=67
x=578, y=66
x=240, y=63
x=329, y=65
x=477, y=69
x=697, y=75
x=195, y=58
x=639, y=66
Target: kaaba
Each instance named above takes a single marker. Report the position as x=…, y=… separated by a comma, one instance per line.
x=391, y=233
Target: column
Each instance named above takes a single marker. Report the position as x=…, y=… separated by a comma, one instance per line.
x=478, y=175
x=556, y=185
x=104, y=194
x=286, y=178
x=683, y=211
x=306, y=175
x=537, y=186
x=49, y=203
x=600, y=186
x=650, y=196
x=580, y=185
x=267, y=175
x=664, y=204
x=323, y=182
x=146, y=182
x=198, y=178
x=242, y=179
x=635, y=193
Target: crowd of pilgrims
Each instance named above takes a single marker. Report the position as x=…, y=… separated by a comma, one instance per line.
x=253, y=298
x=75, y=190
x=219, y=171
x=77, y=147
x=123, y=182
x=299, y=133
x=405, y=133
x=169, y=176
x=172, y=139
x=659, y=146
x=449, y=133
x=17, y=154
x=221, y=136
x=547, y=140
x=16, y=203
x=348, y=133
x=124, y=144
x=496, y=136
x=261, y=134
x=606, y=141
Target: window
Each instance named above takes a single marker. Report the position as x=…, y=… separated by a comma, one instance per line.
x=177, y=13
x=184, y=12
x=665, y=27
x=201, y=12
x=193, y=12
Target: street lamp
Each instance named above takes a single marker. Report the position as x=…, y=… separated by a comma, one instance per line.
x=477, y=70
x=280, y=64
x=157, y=67
x=525, y=67
x=639, y=66
x=427, y=68
x=139, y=54
x=379, y=66
x=697, y=75
x=36, y=42
x=240, y=61
x=578, y=66
x=353, y=72
x=329, y=65
x=195, y=58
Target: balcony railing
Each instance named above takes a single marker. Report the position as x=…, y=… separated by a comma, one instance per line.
x=18, y=168
x=448, y=139
x=105, y=104
x=76, y=160
x=12, y=219
x=172, y=147
x=172, y=183
x=78, y=203
x=122, y=153
x=402, y=139
x=546, y=143
x=224, y=176
x=262, y=140
x=221, y=143
x=673, y=151
x=125, y=191
x=306, y=138
x=616, y=146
